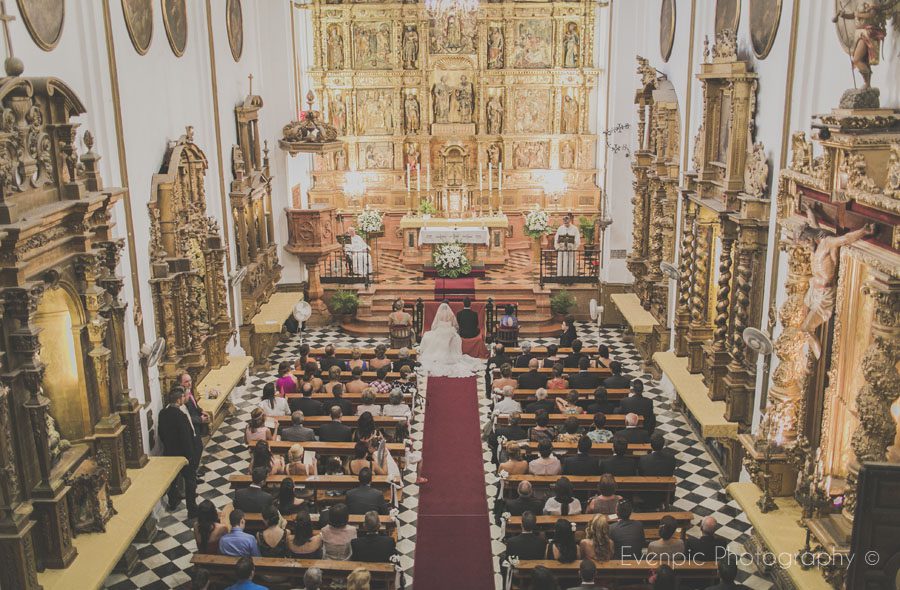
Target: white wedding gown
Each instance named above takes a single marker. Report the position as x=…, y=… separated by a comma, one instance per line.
x=440, y=351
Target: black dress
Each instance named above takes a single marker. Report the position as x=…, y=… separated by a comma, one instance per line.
x=279, y=550
x=568, y=337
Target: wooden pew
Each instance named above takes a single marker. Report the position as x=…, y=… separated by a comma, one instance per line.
x=616, y=573
x=624, y=485
x=254, y=522
x=221, y=569
x=602, y=371
x=541, y=351
x=584, y=394
x=613, y=421
x=329, y=449
x=649, y=520
x=353, y=398
x=598, y=449
x=366, y=353
x=388, y=424
x=318, y=483
x=346, y=376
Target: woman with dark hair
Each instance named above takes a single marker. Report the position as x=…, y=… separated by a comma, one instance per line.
x=569, y=405
x=338, y=533
x=552, y=356
x=264, y=457
x=606, y=501
x=509, y=319
x=542, y=430
x=271, y=405
x=311, y=376
x=667, y=548
x=362, y=458
x=273, y=539
x=558, y=380
x=304, y=542
x=542, y=579
x=562, y=503
x=563, y=547
x=256, y=428
x=365, y=428
x=570, y=432
x=380, y=359
x=209, y=529
x=603, y=359
x=286, y=382
x=663, y=578
x=287, y=501
x=569, y=334
x=304, y=359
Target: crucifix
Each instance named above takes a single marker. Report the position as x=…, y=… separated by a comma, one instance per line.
x=6, y=18
x=250, y=78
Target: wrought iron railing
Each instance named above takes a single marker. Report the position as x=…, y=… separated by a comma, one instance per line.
x=345, y=268
x=492, y=313
x=569, y=268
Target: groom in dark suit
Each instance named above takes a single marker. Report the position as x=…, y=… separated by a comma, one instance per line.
x=468, y=320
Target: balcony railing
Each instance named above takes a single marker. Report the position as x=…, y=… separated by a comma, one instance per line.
x=344, y=268
x=569, y=268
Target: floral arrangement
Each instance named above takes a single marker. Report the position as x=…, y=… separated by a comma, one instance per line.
x=450, y=260
x=426, y=207
x=537, y=223
x=369, y=222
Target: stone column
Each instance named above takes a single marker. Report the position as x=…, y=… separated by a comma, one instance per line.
x=683, y=310
x=717, y=353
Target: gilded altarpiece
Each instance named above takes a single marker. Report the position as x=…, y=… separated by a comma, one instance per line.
x=456, y=96
x=63, y=386
x=655, y=165
x=187, y=257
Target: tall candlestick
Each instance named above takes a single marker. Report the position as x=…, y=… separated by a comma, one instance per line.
x=428, y=174
x=500, y=178
x=490, y=178
x=480, y=176
x=418, y=178
x=407, y=178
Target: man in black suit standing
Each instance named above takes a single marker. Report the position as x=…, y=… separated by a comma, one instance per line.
x=638, y=404
x=371, y=545
x=468, y=320
x=178, y=439
x=364, y=497
x=306, y=404
x=335, y=431
x=253, y=498
x=620, y=463
x=524, y=359
x=633, y=432
x=616, y=380
x=627, y=535
x=527, y=544
x=532, y=379
x=584, y=379
x=582, y=463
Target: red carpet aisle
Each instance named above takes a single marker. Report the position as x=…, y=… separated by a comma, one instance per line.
x=453, y=544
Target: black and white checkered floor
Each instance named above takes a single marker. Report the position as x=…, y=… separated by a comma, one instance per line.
x=165, y=562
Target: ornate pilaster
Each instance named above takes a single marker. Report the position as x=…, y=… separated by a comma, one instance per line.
x=109, y=449
x=699, y=329
x=716, y=361
x=686, y=257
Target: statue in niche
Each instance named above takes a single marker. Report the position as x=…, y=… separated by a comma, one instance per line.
x=56, y=444
x=410, y=47
x=412, y=155
x=569, y=117
x=453, y=32
x=494, y=155
x=441, y=98
x=338, y=114
x=340, y=160
x=494, y=115
x=495, y=49
x=571, y=46
x=335, y=48
x=871, y=27
x=411, y=113
x=465, y=100
x=820, y=298
x=566, y=155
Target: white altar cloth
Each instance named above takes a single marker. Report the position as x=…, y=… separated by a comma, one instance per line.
x=463, y=235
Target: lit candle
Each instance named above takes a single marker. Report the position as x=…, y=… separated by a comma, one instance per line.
x=407, y=178
x=418, y=178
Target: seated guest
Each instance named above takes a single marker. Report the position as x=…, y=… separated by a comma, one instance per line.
x=512, y=430
x=262, y=456
x=335, y=431
x=603, y=359
x=596, y=543
x=359, y=579
x=199, y=579
x=542, y=431
x=243, y=575
x=570, y=432
x=509, y=319
x=287, y=501
x=667, y=548
x=542, y=579
x=403, y=360
x=620, y=464
x=708, y=546
x=304, y=542
x=253, y=498
x=398, y=316
x=598, y=432
x=524, y=359
x=638, y=404
x=208, y=529
x=557, y=379
x=587, y=571
x=563, y=547
x=540, y=403
x=527, y=544
x=356, y=383
x=271, y=405
x=272, y=540
x=380, y=359
x=569, y=335
x=406, y=384
x=658, y=462
x=600, y=402
x=633, y=432
x=312, y=579
x=508, y=404
x=371, y=545
x=525, y=502
x=306, y=404
x=562, y=502
x=295, y=465
x=515, y=464
x=627, y=535
x=663, y=578
x=606, y=501
x=498, y=357
x=356, y=361
x=334, y=378
x=256, y=428
x=297, y=432
x=552, y=357
x=506, y=378
x=304, y=358
x=381, y=385
x=364, y=497
x=337, y=534
x=583, y=463
x=616, y=380
x=532, y=379
x=569, y=405
x=365, y=429
x=573, y=361
x=368, y=403
x=728, y=570
x=396, y=406
x=337, y=399
x=547, y=463
x=362, y=459
x=311, y=376
x=237, y=543
x=286, y=382
x=584, y=379
x=329, y=360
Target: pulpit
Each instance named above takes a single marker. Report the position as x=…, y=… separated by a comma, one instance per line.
x=311, y=237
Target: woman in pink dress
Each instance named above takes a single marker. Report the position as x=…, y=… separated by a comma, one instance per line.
x=286, y=382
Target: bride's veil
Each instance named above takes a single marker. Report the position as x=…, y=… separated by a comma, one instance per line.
x=444, y=315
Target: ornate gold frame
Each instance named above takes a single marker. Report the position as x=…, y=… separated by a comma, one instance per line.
x=772, y=34
x=129, y=26
x=40, y=42
x=178, y=51
x=666, y=45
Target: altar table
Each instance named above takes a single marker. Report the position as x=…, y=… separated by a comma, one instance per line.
x=463, y=235
x=483, y=235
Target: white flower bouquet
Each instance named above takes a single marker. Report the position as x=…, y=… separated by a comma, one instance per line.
x=537, y=223
x=450, y=260
x=369, y=222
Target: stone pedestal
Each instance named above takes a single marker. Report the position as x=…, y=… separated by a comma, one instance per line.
x=110, y=452
x=132, y=439
x=696, y=340
x=715, y=370
x=54, y=534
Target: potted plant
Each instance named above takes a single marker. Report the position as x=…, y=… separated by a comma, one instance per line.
x=537, y=225
x=426, y=208
x=586, y=227
x=561, y=303
x=343, y=304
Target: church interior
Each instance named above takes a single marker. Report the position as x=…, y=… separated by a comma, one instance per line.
x=450, y=294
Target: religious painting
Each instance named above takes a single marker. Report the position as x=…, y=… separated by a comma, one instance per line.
x=410, y=47
x=531, y=154
x=454, y=33
x=337, y=111
x=495, y=47
x=234, y=21
x=724, y=128
x=728, y=15
x=533, y=45
x=494, y=111
x=376, y=156
x=374, y=112
x=372, y=46
x=44, y=20
x=764, y=18
x=453, y=97
x=334, y=52
x=139, y=22
x=567, y=154
x=175, y=22
x=533, y=112
x=571, y=46
x=666, y=28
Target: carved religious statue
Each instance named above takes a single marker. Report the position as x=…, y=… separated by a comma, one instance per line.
x=412, y=155
x=411, y=113
x=410, y=48
x=820, y=298
x=566, y=155
x=493, y=154
x=338, y=115
x=871, y=25
x=440, y=96
x=495, y=49
x=335, y=48
x=465, y=100
x=571, y=46
x=569, y=117
x=494, y=116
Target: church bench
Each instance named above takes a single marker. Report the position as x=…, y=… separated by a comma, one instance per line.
x=386, y=423
x=367, y=376
x=641, y=323
x=613, y=421
x=615, y=573
x=329, y=449
x=318, y=483
x=585, y=394
x=541, y=351
x=254, y=522
x=602, y=371
x=353, y=398
x=365, y=353
x=649, y=520
x=598, y=449
x=266, y=327
x=224, y=379
x=624, y=485
x=221, y=570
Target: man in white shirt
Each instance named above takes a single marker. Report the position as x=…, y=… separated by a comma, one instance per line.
x=507, y=405
x=566, y=242
x=547, y=463
x=358, y=251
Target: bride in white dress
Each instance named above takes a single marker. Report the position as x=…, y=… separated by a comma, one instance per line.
x=440, y=352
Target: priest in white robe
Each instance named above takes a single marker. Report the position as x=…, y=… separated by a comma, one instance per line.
x=358, y=252
x=566, y=242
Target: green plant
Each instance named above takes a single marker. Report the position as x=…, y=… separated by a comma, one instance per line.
x=426, y=208
x=562, y=302
x=343, y=302
x=586, y=226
